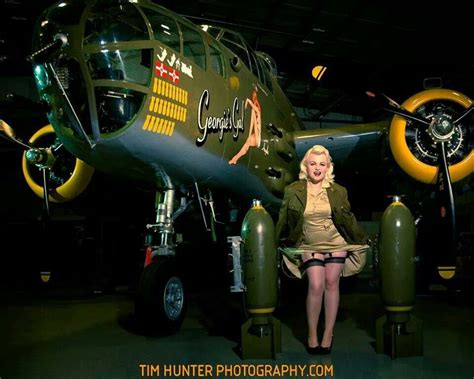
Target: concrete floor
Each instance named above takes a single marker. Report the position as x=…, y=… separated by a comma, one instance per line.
x=69, y=335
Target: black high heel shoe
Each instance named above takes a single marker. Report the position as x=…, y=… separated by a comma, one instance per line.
x=312, y=350
x=325, y=350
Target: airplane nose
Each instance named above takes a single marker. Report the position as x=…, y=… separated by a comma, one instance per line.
x=101, y=75
x=57, y=72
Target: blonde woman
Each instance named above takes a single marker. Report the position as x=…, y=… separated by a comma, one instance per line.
x=316, y=219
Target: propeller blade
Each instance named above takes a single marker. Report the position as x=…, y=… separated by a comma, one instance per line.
x=447, y=217
x=45, y=195
x=10, y=133
x=391, y=102
x=375, y=95
x=395, y=108
x=464, y=114
x=7, y=129
x=46, y=232
x=404, y=113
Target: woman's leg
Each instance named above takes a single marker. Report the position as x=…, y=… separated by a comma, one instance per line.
x=243, y=150
x=331, y=294
x=314, y=298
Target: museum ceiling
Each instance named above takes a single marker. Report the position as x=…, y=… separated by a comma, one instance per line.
x=387, y=46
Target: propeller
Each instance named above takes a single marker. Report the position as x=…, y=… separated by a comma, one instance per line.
x=41, y=157
x=436, y=135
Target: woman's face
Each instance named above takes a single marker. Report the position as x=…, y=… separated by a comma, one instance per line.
x=316, y=166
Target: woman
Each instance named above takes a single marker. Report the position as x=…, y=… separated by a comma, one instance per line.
x=315, y=218
x=255, y=129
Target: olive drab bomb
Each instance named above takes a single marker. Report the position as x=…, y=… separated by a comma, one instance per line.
x=261, y=334
x=399, y=333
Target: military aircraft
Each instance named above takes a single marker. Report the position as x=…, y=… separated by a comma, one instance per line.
x=133, y=89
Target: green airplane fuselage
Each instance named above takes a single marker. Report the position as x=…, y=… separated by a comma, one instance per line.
x=140, y=91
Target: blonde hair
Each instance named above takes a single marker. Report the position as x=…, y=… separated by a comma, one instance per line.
x=318, y=149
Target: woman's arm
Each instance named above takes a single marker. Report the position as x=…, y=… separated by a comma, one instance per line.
x=350, y=220
x=281, y=229
x=250, y=102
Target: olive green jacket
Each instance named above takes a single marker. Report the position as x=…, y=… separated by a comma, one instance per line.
x=289, y=229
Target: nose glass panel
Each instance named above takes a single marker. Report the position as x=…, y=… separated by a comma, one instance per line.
x=116, y=107
x=51, y=21
x=129, y=65
x=114, y=23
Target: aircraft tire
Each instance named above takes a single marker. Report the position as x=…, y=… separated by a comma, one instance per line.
x=160, y=302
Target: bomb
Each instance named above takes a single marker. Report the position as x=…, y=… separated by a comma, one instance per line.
x=399, y=333
x=259, y=261
x=261, y=334
x=396, y=259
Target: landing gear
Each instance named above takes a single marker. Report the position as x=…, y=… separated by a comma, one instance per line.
x=161, y=298
x=160, y=302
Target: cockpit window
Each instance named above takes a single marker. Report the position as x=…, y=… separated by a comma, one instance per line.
x=193, y=46
x=129, y=65
x=266, y=73
x=235, y=44
x=114, y=23
x=213, y=31
x=268, y=62
x=255, y=68
x=164, y=28
x=233, y=37
x=217, y=63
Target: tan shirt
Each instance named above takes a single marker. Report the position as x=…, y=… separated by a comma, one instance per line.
x=319, y=232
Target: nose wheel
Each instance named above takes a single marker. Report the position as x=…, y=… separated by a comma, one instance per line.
x=173, y=299
x=160, y=302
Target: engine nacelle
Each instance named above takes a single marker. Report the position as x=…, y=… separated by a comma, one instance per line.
x=415, y=148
